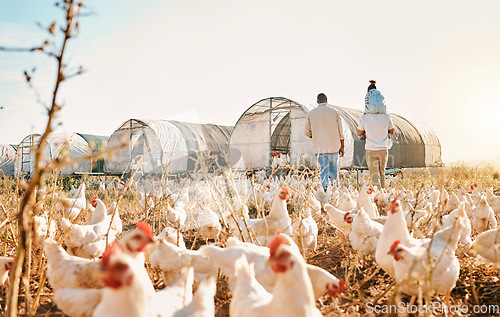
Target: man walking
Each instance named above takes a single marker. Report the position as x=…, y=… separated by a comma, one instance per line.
x=377, y=127
x=324, y=126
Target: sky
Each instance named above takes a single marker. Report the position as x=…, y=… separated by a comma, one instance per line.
x=207, y=61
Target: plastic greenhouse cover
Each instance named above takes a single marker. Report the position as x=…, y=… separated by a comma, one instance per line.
x=7, y=159
x=75, y=146
x=155, y=146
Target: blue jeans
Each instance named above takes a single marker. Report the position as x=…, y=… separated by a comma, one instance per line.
x=329, y=166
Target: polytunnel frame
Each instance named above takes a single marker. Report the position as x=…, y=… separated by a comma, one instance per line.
x=425, y=143
x=24, y=155
x=301, y=106
x=174, y=156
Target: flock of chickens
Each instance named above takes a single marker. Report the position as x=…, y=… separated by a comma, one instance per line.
x=101, y=271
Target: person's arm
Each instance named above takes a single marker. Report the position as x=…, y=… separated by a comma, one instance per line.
x=341, y=135
x=361, y=127
x=307, y=128
x=391, y=126
x=341, y=151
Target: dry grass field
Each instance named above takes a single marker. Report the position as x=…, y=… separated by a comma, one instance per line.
x=367, y=285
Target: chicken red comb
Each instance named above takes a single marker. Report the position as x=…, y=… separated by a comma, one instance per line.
x=392, y=207
x=284, y=196
x=372, y=187
x=334, y=290
x=111, y=249
x=94, y=198
x=472, y=186
x=277, y=241
x=458, y=186
x=346, y=219
x=394, y=245
x=144, y=227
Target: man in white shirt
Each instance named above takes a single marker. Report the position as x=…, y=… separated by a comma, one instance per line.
x=377, y=128
x=324, y=126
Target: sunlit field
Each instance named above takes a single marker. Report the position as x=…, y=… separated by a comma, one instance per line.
x=368, y=288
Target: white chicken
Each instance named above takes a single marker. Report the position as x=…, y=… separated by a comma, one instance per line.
x=72, y=207
x=448, y=220
x=483, y=217
x=493, y=200
x=452, y=203
x=487, y=246
x=342, y=220
x=173, y=236
x=208, y=224
x=436, y=258
x=176, y=215
x=395, y=228
x=292, y=294
x=5, y=267
x=171, y=259
x=322, y=281
x=263, y=229
x=128, y=290
x=202, y=304
x=365, y=201
x=346, y=202
x=365, y=233
x=44, y=228
x=305, y=233
x=67, y=271
x=175, y=297
x=89, y=241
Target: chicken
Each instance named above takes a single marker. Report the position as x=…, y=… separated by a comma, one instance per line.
x=365, y=201
x=100, y=212
x=173, y=236
x=202, y=304
x=365, y=233
x=176, y=215
x=67, y=271
x=305, y=232
x=340, y=219
x=128, y=289
x=416, y=217
x=483, y=217
x=322, y=196
x=170, y=259
x=44, y=228
x=493, y=200
x=71, y=207
x=5, y=267
x=346, y=202
x=312, y=206
x=292, y=295
x=452, y=203
x=381, y=199
x=208, y=224
x=447, y=221
x=175, y=297
x=322, y=281
x=263, y=229
x=147, y=201
x=395, y=228
x=89, y=241
x=436, y=258
x=443, y=197
x=487, y=246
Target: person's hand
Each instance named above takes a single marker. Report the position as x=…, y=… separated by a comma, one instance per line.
x=341, y=152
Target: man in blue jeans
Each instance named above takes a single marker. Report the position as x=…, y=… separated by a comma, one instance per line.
x=324, y=126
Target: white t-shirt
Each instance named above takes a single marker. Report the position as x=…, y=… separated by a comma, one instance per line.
x=376, y=127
